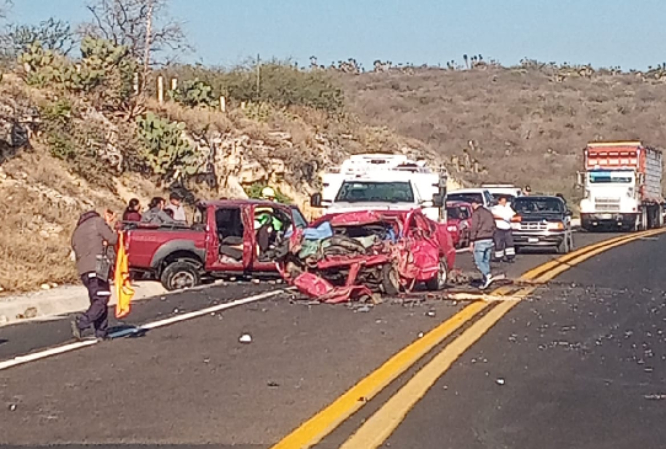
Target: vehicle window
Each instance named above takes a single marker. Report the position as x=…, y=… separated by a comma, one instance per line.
x=538, y=205
x=465, y=197
x=229, y=223
x=464, y=213
x=603, y=177
x=199, y=216
x=369, y=191
x=454, y=212
x=489, y=197
x=299, y=220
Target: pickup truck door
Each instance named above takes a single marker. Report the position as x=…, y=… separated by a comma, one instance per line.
x=229, y=239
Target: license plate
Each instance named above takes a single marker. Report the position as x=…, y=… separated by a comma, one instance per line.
x=532, y=240
x=606, y=216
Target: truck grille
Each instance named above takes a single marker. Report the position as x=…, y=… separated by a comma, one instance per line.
x=607, y=204
x=536, y=226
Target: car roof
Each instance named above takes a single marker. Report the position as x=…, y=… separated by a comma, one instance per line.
x=242, y=202
x=458, y=204
x=470, y=190
x=538, y=198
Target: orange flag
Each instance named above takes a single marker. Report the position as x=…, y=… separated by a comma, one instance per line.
x=121, y=280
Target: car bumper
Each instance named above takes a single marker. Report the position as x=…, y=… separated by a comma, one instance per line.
x=538, y=239
x=608, y=218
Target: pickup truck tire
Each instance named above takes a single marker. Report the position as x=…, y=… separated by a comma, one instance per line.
x=180, y=274
x=439, y=281
x=390, y=280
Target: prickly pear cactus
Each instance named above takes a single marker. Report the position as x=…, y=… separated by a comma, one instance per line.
x=167, y=153
x=193, y=93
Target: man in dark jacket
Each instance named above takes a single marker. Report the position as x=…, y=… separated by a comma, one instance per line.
x=482, y=233
x=90, y=240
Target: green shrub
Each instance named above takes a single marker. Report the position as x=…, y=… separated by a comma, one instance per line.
x=280, y=83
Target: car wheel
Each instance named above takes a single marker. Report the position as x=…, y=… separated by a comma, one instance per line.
x=179, y=275
x=390, y=280
x=439, y=281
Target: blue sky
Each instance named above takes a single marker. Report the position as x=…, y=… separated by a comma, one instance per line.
x=629, y=33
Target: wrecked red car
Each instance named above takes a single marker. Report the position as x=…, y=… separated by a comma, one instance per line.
x=350, y=256
x=459, y=222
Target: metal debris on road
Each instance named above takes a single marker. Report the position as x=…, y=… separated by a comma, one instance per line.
x=500, y=381
x=12, y=407
x=245, y=338
x=430, y=313
x=420, y=335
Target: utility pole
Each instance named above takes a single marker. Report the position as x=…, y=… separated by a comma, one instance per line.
x=258, y=76
x=149, y=33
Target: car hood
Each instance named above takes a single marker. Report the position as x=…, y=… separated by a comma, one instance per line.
x=350, y=207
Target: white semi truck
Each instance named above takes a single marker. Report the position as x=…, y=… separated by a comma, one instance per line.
x=383, y=182
x=622, y=181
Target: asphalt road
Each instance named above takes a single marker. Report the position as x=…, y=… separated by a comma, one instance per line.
x=580, y=365
x=194, y=382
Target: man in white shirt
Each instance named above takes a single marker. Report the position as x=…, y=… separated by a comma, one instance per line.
x=503, y=213
x=177, y=208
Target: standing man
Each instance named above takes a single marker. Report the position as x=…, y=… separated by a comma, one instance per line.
x=90, y=240
x=176, y=205
x=503, y=213
x=482, y=233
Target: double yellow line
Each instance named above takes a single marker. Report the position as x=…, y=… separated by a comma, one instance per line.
x=382, y=423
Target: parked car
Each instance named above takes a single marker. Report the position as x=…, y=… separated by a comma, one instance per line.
x=228, y=237
x=467, y=195
x=340, y=256
x=542, y=222
x=459, y=222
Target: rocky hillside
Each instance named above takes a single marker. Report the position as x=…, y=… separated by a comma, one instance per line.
x=525, y=124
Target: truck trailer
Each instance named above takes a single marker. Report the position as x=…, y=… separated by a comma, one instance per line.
x=622, y=181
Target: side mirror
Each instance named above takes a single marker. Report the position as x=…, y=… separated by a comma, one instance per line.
x=580, y=179
x=438, y=200
x=315, y=200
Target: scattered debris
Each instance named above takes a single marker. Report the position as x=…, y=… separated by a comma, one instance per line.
x=273, y=384
x=500, y=381
x=655, y=397
x=12, y=407
x=430, y=313
x=420, y=335
x=45, y=287
x=245, y=338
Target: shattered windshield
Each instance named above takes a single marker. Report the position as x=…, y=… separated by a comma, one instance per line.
x=370, y=191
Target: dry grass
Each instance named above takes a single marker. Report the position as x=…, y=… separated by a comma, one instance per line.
x=527, y=129
x=39, y=205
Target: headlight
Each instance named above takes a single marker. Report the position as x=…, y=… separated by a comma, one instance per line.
x=555, y=226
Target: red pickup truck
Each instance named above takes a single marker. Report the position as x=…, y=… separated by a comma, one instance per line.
x=228, y=237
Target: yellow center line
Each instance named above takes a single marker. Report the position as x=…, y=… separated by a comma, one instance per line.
x=320, y=425
x=383, y=423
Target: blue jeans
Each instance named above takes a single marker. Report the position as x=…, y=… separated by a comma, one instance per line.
x=482, y=253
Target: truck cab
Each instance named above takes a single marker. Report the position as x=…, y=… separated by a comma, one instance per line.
x=622, y=186
x=382, y=182
x=227, y=237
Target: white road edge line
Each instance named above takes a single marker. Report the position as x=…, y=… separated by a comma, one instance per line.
x=23, y=359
